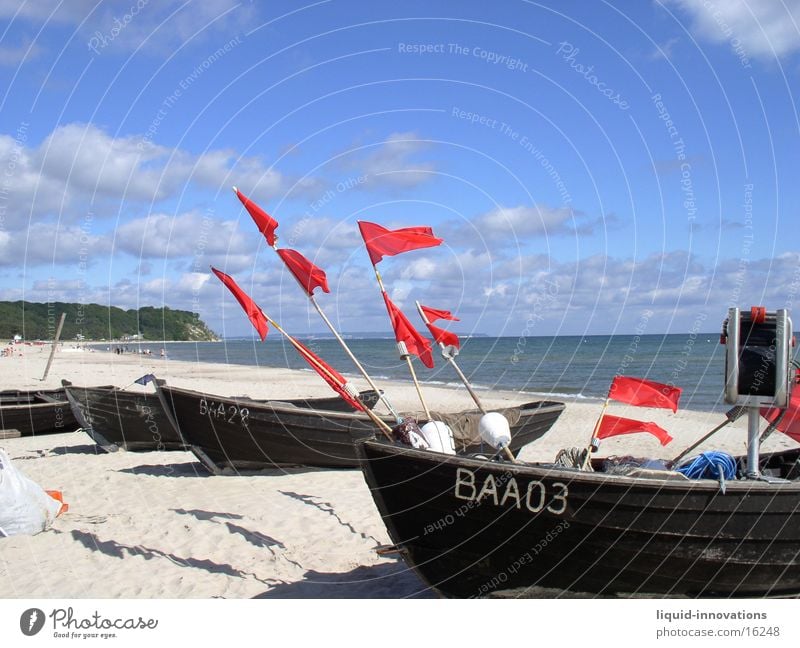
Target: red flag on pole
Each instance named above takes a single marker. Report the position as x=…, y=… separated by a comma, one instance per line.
x=405, y=332
x=252, y=309
x=433, y=314
x=444, y=337
x=309, y=275
x=382, y=242
x=440, y=335
x=614, y=425
x=265, y=223
x=790, y=423
x=337, y=382
x=644, y=393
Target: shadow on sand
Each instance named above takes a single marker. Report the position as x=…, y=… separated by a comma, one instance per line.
x=385, y=581
x=187, y=469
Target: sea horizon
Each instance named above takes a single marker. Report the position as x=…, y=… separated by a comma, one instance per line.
x=578, y=367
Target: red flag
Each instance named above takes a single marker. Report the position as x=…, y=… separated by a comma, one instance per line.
x=433, y=314
x=439, y=334
x=444, y=337
x=644, y=393
x=329, y=375
x=309, y=275
x=382, y=242
x=254, y=313
x=790, y=423
x=404, y=331
x=265, y=223
x=614, y=425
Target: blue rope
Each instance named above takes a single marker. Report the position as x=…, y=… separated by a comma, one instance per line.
x=711, y=465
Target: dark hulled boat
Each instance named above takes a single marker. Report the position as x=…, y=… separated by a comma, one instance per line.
x=36, y=412
x=143, y=421
x=116, y=418
x=244, y=434
x=471, y=527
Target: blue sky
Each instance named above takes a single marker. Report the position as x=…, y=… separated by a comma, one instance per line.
x=591, y=166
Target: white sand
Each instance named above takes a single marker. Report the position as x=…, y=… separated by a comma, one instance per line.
x=156, y=525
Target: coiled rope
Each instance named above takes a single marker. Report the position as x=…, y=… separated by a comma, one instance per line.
x=711, y=465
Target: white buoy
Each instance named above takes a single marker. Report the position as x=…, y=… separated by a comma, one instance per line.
x=495, y=430
x=439, y=437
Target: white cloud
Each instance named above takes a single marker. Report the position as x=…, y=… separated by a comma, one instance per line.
x=391, y=164
x=79, y=164
x=183, y=235
x=13, y=55
x=763, y=28
x=43, y=243
x=156, y=26
x=507, y=224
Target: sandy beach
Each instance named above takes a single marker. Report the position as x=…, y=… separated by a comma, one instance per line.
x=158, y=525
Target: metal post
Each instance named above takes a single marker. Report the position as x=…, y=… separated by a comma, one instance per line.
x=55, y=344
x=753, y=420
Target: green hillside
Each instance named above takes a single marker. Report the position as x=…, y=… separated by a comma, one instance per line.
x=95, y=322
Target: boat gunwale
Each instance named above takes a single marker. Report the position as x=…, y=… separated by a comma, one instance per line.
x=573, y=474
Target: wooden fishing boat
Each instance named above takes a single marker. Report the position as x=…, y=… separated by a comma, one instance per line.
x=117, y=418
x=471, y=527
x=42, y=411
x=143, y=421
x=244, y=434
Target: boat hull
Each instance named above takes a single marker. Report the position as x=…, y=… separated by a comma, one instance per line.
x=471, y=528
x=243, y=434
x=116, y=418
x=36, y=412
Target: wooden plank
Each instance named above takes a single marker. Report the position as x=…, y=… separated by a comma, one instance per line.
x=10, y=434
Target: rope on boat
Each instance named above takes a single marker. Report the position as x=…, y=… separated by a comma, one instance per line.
x=711, y=465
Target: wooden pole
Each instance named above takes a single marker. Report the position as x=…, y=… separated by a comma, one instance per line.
x=55, y=344
x=329, y=324
x=452, y=362
x=352, y=357
x=732, y=415
x=407, y=358
x=594, y=435
x=404, y=356
x=384, y=427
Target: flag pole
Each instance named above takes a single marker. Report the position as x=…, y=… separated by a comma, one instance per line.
x=401, y=348
x=452, y=362
x=594, y=434
x=338, y=337
x=310, y=358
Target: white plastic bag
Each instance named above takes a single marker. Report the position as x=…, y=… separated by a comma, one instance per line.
x=25, y=509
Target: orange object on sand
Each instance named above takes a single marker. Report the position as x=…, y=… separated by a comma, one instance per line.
x=59, y=497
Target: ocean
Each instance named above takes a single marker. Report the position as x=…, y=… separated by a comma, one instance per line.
x=579, y=367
